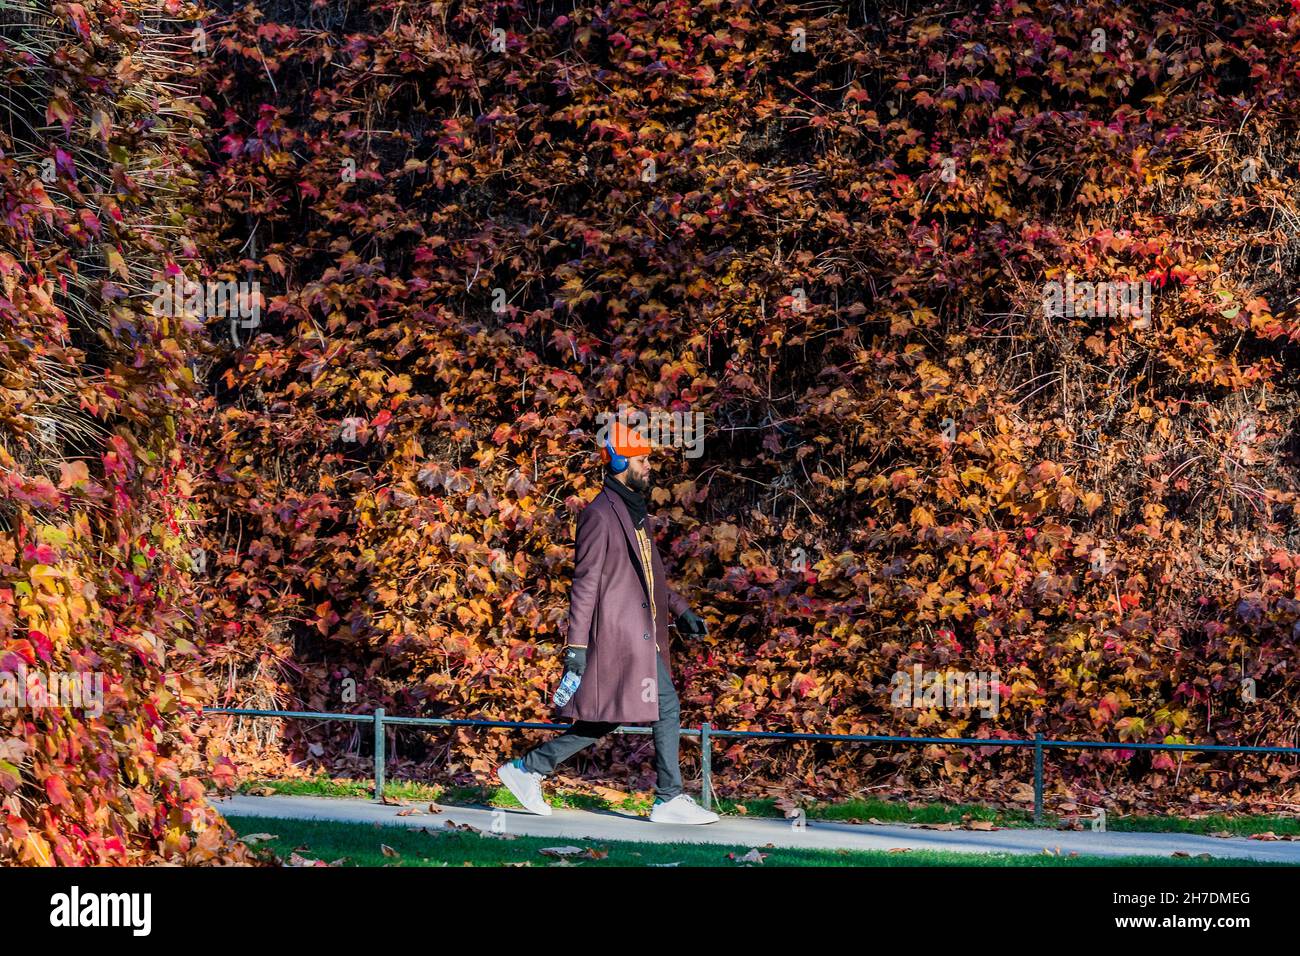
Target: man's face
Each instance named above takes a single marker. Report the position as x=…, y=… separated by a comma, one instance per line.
x=638, y=473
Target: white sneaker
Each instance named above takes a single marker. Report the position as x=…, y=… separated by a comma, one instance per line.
x=526, y=786
x=681, y=809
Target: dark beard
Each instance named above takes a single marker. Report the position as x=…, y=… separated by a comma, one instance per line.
x=641, y=485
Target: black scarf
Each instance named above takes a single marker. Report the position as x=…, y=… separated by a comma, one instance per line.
x=634, y=500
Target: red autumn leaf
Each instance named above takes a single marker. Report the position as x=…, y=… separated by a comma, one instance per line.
x=57, y=791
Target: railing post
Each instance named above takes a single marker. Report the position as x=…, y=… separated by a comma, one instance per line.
x=1038, y=778
x=379, y=754
x=706, y=766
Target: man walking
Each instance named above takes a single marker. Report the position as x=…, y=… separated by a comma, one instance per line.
x=618, y=638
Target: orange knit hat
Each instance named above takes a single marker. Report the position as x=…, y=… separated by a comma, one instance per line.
x=626, y=441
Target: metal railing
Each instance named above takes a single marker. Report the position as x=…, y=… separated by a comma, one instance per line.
x=706, y=732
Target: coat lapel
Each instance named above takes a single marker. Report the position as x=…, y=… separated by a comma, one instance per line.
x=629, y=533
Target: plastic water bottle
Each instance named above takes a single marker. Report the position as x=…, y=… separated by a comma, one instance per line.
x=567, y=686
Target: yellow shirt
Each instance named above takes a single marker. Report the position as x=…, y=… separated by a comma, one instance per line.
x=647, y=562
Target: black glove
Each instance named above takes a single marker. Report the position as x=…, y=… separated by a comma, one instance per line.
x=575, y=659
x=691, y=624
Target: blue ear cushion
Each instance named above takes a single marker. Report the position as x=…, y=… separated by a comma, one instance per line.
x=617, y=462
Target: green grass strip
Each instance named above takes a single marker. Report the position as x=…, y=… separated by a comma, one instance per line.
x=855, y=810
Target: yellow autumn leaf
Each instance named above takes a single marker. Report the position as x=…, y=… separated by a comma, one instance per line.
x=115, y=263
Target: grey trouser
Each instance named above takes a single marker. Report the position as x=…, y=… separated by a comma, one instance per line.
x=583, y=733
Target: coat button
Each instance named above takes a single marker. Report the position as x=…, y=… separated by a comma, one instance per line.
x=643, y=604
x=645, y=637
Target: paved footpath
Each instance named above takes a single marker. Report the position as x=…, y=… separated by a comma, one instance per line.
x=750, y=832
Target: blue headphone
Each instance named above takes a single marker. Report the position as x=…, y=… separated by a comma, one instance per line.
x=617, y=463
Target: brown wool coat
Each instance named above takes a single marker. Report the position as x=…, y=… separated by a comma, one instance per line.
x=610, y=613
